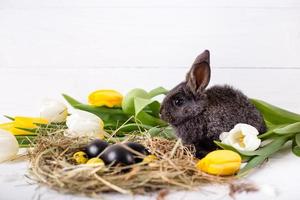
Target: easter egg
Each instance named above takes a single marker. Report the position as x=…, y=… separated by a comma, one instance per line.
x=95, y=148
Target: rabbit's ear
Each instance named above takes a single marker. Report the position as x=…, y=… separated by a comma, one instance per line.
x=199, y=75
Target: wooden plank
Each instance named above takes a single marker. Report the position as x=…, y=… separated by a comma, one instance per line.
x=145, y=3
x=22, y=89
x=149, y=34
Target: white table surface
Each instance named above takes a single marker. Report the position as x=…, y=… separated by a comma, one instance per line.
x=277, y=179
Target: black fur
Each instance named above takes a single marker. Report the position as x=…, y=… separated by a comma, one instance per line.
x=203, y=114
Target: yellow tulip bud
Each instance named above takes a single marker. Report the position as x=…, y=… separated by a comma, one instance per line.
x=220, y=162
x=109, y=98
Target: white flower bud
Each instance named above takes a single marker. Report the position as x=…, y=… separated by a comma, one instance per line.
x=54, y=111
x=82, y=123
x=242, y=137
x=9, y=146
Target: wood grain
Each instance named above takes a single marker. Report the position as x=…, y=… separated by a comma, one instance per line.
x=23, y=89
x=159, y=34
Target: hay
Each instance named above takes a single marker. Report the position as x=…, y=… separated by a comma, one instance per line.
x=52, y=165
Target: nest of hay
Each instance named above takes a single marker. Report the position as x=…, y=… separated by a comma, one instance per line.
x=52, y=165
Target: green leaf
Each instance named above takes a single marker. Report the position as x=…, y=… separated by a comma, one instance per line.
x=273, y=146
x=9, y=117
x=291, y=128
x=133, y=127
x=154, y=109
x=111, y=116
x=297, y=139
x=114, y=117
x=270, y=131
x=267, y=134
x=31, y=130
x=245, y=154
x=128, y=100
x=52, y=125
x=167, y=132
x=70, y=100
x=296, y=145
x=274, y=114
x=99, y=110
x=269, y=124
x=226, y=146
x=253, y=163
x=147, y=119
x=158, y=91
x=141, y=103
x=264, y=152
x=138, y=102
x=25, y=140
x=296, y=150
x=78, y=105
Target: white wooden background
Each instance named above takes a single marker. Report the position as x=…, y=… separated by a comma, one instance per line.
x=48, y=47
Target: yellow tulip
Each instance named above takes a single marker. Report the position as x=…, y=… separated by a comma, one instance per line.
x=220, y=162
x=109, y=98
x=7, y=126
x=22, y=122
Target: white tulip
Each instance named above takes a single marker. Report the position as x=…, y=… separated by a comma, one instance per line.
x=242, y=137
x=83, y=123
x=53, y=111
x=9, y=146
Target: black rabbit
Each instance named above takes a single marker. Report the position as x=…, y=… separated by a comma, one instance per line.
x=200, y=115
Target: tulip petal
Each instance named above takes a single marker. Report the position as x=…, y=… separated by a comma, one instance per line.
x=223, y=136
x=19, y=126
x=242, y=137
x=82, y=123
x=7, y=126
x=220, y=162
x=53, y=111
x=109, y=98
x=8, y=146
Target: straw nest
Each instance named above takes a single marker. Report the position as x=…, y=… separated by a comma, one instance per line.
x=52, y=165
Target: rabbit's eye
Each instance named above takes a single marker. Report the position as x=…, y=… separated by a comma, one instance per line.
x=178, y=101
